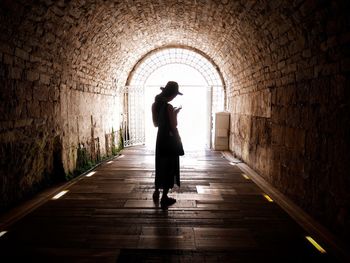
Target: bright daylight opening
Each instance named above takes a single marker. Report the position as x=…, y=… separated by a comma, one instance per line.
x=192, y=119
x=198, y=80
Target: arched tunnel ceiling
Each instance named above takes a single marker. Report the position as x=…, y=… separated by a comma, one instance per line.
x=114, y=36
x=101, y=40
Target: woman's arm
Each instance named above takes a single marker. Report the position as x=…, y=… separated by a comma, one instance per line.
x=154, y=115
x=173, y=119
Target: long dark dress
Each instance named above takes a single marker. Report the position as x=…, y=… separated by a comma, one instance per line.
x=167, y=164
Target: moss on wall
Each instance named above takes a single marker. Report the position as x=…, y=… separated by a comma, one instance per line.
x=88, y=157
x=27, y=166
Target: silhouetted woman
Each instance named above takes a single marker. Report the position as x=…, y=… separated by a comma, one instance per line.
x=168, y=144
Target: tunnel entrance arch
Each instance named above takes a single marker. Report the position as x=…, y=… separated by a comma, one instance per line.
x=204, y=89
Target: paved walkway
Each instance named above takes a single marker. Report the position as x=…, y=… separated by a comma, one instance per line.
x=220, y=216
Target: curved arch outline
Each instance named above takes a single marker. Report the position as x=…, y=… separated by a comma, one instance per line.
x=187, y=64
x=154, y=51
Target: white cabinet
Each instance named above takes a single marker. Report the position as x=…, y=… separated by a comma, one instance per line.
x=222, y=128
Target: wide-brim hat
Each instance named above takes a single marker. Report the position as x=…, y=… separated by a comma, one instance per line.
x=171, y=88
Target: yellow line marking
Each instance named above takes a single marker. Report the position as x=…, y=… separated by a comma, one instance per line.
x=246, y=176
x=268, y=198
x=315, y=244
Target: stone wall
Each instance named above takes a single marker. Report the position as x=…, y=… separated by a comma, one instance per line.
x=51, y=111
x=289, y=119
x=87, y=119
x=29, y=133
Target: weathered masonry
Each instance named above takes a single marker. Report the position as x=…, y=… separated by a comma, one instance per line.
x=285, y=65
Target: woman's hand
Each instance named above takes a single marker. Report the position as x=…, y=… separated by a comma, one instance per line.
x=177, y=110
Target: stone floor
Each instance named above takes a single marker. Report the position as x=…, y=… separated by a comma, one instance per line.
x=220, y=216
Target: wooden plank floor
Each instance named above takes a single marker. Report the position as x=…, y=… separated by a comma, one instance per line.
x=219, y=216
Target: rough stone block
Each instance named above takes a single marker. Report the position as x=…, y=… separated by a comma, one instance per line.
x=329, y=69
x=288, y=79
x=54, y=94
x=28, y=92
x=41, y=93
x=20, y=123
x=34, y=58
x=32, y=75
x=263, y=160
x=57, y=11
x=75, y=13
x=277, y=135
x=15, y=73
x=49, y=38
x=306, y=53
x=44, y=79
x=33, y=109
x=47, y=109
x=21, y=54
x=8, y=59
x=293, y=116
x=295, y=139
x=6, y=125
x=20, y=92
x=304, y=74
x=281, y=64
x=18, y=62
x=5, y=48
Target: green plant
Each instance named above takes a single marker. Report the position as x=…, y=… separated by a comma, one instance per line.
x=84, y=161
x=113, y=147
x=121, y=139
x=117, y=149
